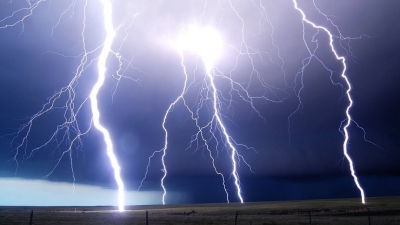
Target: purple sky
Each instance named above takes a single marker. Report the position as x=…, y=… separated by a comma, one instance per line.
x=292, y=155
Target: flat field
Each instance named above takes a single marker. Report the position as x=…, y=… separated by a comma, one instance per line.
x=377, y=211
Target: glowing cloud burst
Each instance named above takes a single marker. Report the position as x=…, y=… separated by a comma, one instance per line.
x=205, y=42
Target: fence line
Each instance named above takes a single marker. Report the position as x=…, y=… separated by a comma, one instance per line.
x=236, y=217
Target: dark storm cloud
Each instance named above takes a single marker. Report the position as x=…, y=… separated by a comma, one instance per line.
x=133, y=110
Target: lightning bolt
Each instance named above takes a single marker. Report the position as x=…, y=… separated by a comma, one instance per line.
x=70, y=130
x=107, y=10
x=192, y=42
x=343, y=75
x=207, y=43
x=213, y=132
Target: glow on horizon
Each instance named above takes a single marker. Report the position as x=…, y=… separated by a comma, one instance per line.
x=30, y=192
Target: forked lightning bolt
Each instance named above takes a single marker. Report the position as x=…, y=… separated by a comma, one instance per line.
x=207, y=44
x=93, y=97
x=212, y=131
x=70, y=130
x=343, y=75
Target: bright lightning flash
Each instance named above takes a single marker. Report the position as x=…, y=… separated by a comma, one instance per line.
x=205, y=42
x=343, y=75
x=207, y=45
x=70, y=129
x=101, y=65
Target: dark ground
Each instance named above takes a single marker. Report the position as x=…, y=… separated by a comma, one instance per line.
x=380, y=210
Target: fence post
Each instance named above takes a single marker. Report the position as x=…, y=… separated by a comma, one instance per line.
x=147, y=217
x=31, y=219
x=369, y=217
x=309, y=215
x=237, y=212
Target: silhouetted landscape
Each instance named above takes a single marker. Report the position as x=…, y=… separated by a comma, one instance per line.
x=380, y=210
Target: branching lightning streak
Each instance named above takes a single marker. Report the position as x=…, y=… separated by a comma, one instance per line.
x=228, y=138
x=164, y=150
x=30, y=10
x=204, y=42
x=210, y=95
x=343, y=75
x=71, y=126
x=216, y=115
x=107, y=7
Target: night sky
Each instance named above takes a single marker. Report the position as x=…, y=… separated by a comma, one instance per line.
x=296, y=150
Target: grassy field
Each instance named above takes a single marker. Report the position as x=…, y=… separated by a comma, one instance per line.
x=383, y=210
